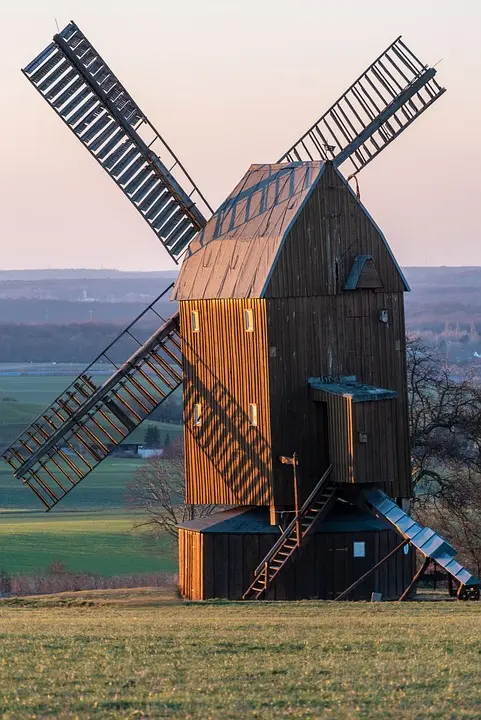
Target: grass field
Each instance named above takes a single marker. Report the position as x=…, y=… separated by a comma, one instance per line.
x=105, y=544
x=142, y=654
x=31, y=395
x=90, y=531
x=103, y=489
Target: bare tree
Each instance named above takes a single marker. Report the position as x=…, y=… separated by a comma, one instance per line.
x=445, y=430
x=459, y=521
x=157, y=491
x=445, y=425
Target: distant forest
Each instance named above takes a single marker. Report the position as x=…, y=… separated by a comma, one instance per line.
x=72, y=343
x=71, y=315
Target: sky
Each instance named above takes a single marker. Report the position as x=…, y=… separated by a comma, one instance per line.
x=229, y=84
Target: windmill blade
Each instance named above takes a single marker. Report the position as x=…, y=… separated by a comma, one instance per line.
x=88, y=420
x=79, y=85
x=375, y=109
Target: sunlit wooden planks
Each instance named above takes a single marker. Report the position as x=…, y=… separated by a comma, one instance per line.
x=228, y=461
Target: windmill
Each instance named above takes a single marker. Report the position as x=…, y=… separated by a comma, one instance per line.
x=88, y=420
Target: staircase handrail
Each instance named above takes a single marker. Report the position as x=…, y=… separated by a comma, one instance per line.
x=280, y=541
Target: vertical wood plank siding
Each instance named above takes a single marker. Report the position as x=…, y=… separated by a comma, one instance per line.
x=317, y=336
x=341, y=439
x=315, y=328
x=191, y=563
x=227, y=461
x=318, y=254
x=324, y=567
x=361, y=462
x=376, y=457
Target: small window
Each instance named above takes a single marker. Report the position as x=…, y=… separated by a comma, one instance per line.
x=253, y=414
x=359, y=549
x=195, y=320
x=197, y=414
x=249, y=318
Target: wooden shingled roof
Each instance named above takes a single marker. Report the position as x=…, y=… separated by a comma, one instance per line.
x=233, y=256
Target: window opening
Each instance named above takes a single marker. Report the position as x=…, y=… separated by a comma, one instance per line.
x=359, y=549
x=197, y=414
x=249, y=320
x=253, y=414
x=195, y=320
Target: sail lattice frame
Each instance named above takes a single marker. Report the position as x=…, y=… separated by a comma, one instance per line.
x=81, y=88
x=394, y=90
x=89, y=420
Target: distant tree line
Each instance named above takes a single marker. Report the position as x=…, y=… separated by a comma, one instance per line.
x=72, y=343
x=445, y=438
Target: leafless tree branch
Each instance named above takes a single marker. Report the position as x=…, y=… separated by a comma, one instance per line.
x=157, y=492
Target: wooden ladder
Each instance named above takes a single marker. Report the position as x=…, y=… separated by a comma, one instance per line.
x=294, y=536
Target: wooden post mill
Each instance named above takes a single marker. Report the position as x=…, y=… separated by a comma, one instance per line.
x=289, y=340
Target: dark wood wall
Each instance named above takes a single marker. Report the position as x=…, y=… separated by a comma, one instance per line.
x=376, y=458
x=362, y=438
x=315, y=328
x=319, y=252
x=227, y=461
x=323, y=336
x=218, y=565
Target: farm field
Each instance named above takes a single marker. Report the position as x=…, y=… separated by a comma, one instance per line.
x=102, y=544
x=102, y=490
x=91, y=530
x=125, y=654
x=30, y=395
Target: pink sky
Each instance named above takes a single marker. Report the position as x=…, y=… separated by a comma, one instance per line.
x=230, y=84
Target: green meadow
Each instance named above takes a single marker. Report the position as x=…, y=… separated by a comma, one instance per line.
x=103, y=544
x=91, y=530
x=145, y=654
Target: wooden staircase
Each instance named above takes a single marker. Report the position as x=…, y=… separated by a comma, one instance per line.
x=294, y=536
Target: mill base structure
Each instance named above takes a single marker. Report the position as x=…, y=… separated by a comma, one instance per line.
x=356, y=552
x=218, y=556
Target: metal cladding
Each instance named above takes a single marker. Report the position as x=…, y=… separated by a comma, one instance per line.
x=427, y=541
x=349, y=387
x=375, y=109
x=82, y=89
x=87, y=421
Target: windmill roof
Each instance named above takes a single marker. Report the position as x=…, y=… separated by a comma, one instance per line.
x=343, y=517
x=348, y=386
x=234, y=254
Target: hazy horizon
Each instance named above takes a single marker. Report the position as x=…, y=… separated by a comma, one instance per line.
x=229, y=85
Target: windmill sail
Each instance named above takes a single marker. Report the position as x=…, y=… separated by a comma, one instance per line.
x=79, y=85
x=373, y=111
x=90, y=418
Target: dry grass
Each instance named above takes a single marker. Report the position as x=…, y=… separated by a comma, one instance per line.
x=144, y=654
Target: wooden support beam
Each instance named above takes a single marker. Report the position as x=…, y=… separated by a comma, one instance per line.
x=451, y=590
x=415, y=579
x=369, y=572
